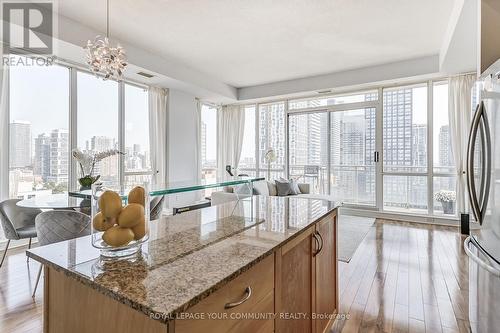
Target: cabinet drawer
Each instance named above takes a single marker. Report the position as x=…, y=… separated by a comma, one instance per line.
x=260, y=279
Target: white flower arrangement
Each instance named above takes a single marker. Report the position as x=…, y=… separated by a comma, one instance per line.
x=445, y=196
x=87, y=162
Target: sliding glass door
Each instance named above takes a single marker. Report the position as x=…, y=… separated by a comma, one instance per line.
x=347, y=171
x=352, y=166
x=308, y=150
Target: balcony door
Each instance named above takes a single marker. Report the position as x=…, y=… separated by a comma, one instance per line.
x=308, y=150
x=333, y=151
x=352, y=155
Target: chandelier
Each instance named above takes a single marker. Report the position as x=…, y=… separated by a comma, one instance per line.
x=104, y=59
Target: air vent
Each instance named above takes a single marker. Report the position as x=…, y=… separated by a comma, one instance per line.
x=324, y=91
x=145, y=74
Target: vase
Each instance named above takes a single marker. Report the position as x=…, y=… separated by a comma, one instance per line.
x=448, y=207
x=87, y=181
x=120, y=218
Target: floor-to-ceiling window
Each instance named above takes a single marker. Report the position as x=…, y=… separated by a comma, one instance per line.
x=137, y=162
x=352, y=155
x=405, y=149
x=208, y=142
x=97, y=120
x=308, y=149
x=45, y=125
x=38, y=130
x=388, y=148
x=271, y=132
x=444, y=179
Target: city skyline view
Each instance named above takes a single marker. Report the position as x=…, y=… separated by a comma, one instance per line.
x=39, y=141
x=353, y=145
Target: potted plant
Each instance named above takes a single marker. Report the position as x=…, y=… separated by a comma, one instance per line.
x=447, y=200
x=87, y=162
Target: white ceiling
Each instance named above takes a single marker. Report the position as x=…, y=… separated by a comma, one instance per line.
x=251, y=42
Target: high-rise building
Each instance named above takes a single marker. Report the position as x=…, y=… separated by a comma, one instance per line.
x=41, y=163
x=101, y=143
x=272, y=135
x=20, y=144
x=419, y=145
x=59, y=157
x=203, y=136
x=445, y=155
x=107, y=168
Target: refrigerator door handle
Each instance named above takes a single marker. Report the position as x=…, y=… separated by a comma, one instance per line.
x=478, y=260
x=486, y=181
x=470, y=164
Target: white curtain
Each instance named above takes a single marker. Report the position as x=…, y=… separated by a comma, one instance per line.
x=4, y=133
x=230, y=130
x=158, y=126
x=198, y=138
x=459, y=113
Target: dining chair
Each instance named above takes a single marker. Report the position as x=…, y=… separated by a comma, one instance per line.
x=17, y=222
x=59, y=225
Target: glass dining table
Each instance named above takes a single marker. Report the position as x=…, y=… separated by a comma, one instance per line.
x=55, y=201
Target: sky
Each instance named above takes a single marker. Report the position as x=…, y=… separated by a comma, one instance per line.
x=40, y=95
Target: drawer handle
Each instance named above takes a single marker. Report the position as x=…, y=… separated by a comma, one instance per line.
x=321, y=242
x=318, y=246
x=248, y=293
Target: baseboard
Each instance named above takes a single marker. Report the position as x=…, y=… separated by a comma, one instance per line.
x=455, y=222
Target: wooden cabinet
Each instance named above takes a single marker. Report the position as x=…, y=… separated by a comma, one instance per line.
x=326, y=274
x=294, y=283
x=306, y=283
x=250, y=293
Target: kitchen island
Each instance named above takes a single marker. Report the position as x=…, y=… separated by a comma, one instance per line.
x=258, y=265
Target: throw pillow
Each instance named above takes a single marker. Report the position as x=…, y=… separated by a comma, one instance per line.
x=295, y=186
x=287, y=187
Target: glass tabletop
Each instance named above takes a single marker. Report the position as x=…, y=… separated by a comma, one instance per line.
x=180, y=186
x=54, y=201
x=195, y=185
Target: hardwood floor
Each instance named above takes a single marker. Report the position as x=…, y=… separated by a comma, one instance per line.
x=18, y=311
x=404, y=277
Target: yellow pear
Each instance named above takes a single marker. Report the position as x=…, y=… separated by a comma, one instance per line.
x=131, y=215
x=117, y=236
x=101, y=223
x=137, y=195
x=110, y=204
x=140, y=229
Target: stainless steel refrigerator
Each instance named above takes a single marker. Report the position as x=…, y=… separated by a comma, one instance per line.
x=483, y=183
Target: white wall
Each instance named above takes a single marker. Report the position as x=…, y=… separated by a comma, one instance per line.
x=181, y=136
x=181, y=144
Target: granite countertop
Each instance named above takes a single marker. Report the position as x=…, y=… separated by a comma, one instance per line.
x=188, y=256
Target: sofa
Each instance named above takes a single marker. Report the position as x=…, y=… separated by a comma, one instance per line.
x=262, y=187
